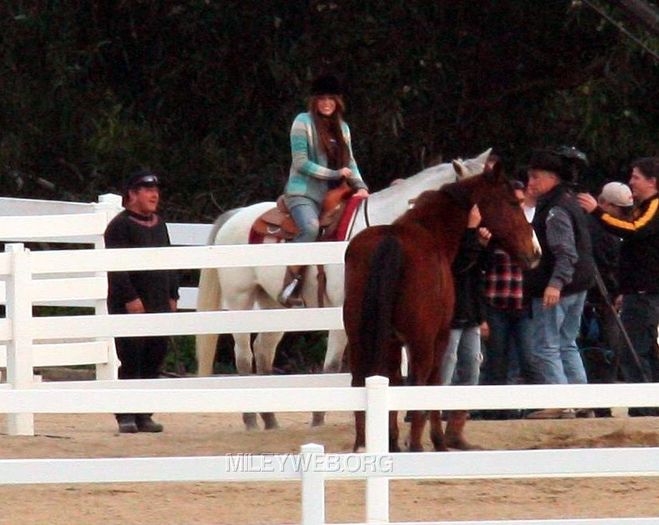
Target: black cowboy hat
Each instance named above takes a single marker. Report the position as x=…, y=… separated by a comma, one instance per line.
x=326, y=85
x=565, y=161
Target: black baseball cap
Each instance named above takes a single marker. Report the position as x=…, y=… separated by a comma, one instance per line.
x=142, y=179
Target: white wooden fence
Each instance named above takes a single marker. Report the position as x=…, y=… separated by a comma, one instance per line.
x=59, y=277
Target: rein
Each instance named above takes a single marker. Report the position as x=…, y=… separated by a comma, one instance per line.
x=363, y=204
x=366, y=221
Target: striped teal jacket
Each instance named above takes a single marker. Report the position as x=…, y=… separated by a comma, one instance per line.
x=309, y=175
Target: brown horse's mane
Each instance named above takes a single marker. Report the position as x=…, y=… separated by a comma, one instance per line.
x=443, y=209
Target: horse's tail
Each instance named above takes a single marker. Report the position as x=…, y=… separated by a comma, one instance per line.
x=209, y=298
x=380, y=292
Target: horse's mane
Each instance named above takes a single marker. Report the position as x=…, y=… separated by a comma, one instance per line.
x=437, y=203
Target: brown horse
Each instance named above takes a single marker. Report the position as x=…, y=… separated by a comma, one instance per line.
x=399, y=286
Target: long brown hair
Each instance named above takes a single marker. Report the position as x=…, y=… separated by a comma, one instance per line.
x=329, y=130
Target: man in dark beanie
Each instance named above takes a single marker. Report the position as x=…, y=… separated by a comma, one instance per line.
x=558, y=286
x=638, y=275
x=136, y=292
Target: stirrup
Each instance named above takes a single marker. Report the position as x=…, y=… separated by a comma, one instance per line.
x=288, y=298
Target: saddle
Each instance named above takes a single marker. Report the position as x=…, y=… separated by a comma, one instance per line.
x=277, y=223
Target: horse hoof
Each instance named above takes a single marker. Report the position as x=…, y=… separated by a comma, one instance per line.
x=438, y=443
x=270, y=421
x=318, y=419
x=415, y=448
x=462, y=444
x=250, y=422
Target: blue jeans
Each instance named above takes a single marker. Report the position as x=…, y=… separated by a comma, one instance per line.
x=305, y=213
x=555, y=356
x=640, y=316
x=509, y=345
x=462, y=360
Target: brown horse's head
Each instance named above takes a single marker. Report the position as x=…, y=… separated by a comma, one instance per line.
x=502, y=214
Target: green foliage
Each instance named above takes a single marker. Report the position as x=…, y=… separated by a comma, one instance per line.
x=205, y=92
x=180, y=359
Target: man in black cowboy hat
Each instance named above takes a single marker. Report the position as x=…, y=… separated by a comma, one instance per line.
x=135, y=292
x=558, y=286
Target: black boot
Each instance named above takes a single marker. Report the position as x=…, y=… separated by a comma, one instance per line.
x=144, y=423
x=127, y=424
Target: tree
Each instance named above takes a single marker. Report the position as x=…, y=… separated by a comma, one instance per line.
x=204, y=92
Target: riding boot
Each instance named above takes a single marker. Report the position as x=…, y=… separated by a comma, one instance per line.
x=455, y=431
x=126, y=423
x=291, y=293
x=144, y=423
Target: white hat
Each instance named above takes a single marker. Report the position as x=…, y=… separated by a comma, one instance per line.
x=618, y=194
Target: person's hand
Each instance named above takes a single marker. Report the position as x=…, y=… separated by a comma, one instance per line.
x=345, y=172
x=485, y=330
x=474, y=218
x=617, y=303
x=363, y=192
x=551, y=297
x=135, y=306
x=172, y=305
x=484, y=236
x=587, y=202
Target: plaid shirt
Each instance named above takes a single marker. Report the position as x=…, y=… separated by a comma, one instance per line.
x=503, y=282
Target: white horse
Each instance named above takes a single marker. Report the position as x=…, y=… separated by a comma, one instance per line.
x=257, y=287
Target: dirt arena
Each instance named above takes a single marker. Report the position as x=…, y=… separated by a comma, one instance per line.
x=77, y=436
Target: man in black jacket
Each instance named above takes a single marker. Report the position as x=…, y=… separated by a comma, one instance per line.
x=639, y=273
x=135, y=292
x=558, y=286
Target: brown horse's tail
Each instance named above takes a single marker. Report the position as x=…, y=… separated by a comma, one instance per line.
x=378, y=304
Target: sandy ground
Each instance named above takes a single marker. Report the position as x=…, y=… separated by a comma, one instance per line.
x=74, y=436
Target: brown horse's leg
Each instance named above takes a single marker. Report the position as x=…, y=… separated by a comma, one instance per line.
x=395, y=379
x=360, y=431
x=249, y=418
x=436, y=432
x=393, y=431
x=360, y=416
x=421, y=361
x=457, y=420
x=269, y=420
x=416, y=430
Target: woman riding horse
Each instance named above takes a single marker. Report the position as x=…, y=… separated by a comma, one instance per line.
x=321, y=158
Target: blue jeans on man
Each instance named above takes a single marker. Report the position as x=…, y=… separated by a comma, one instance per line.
x=555, y=355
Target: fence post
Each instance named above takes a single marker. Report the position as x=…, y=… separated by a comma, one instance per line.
x=110, y=204
x=313, y=485
x=377, y=442
x=19, y=348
